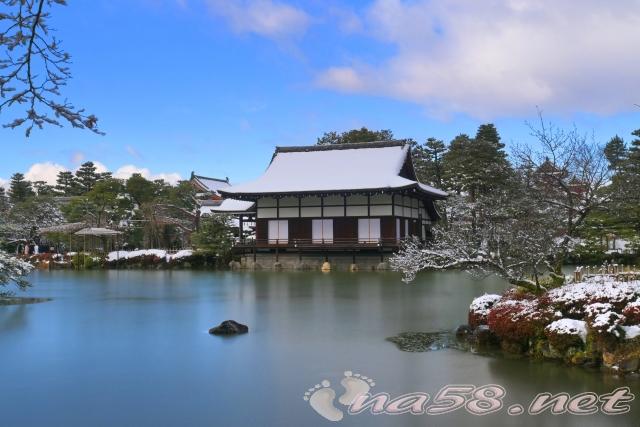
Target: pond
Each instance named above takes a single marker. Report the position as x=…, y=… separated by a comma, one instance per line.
x=131, y=348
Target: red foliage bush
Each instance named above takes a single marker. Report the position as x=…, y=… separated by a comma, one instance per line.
x=632, y=313
x=519, y=320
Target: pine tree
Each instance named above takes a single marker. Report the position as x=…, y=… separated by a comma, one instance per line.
x=616, y=153
x=634, y=150
x=87, y=177
x=19, y=188
x=43, y=189
x=66, y=184
x=4, y=200
x=355, y=135
x=428, y=161
x=488, y=132
x=476, y=166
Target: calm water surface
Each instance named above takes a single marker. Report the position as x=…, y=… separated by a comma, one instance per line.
x=131, y=348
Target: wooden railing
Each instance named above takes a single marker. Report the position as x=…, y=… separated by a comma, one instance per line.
x=335, y=243
x=620, y=272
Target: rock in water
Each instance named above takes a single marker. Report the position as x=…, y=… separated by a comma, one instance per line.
x=229, y=327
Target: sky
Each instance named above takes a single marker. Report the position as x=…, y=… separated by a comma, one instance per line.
x=213, y=86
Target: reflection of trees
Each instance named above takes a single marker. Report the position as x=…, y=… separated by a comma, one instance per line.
x=12, y=317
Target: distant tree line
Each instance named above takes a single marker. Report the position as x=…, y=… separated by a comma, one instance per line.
x=153, y=213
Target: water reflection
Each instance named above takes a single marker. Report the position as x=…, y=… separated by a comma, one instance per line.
x=132, y=348
x=12, y=317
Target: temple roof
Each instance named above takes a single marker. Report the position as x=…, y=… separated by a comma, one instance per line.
x=228, y=206
x=206, y=184
x=370, y=166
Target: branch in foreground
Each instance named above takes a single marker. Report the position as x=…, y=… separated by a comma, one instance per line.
x=13, y=270
x=34, y=68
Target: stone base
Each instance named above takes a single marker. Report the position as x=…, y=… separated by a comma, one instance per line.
x=314, y=262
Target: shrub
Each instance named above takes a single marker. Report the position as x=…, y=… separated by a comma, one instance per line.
x=519, y=320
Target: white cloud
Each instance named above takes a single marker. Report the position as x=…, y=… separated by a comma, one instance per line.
x=267, y=18
x=126, y=171
x=501, y=57
x=100, y=167
x=46, y=171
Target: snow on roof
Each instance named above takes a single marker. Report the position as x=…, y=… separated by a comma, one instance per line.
x=228, y=206
x=363, y=166
x=210, y=184
x=97, y=231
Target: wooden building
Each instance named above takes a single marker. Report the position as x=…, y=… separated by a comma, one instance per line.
x=211, y=202
x=338, y=198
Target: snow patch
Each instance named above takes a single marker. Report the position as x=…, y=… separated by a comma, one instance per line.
x=631, y=332
x=569, y=327
x=483, y=304
x=158, y=253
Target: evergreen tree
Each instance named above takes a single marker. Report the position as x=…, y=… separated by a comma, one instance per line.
x=87, y=177
x=4, y=200
x=43, y=189
x=140, y=189
x=476, y=166
x=105, y=176
x=634, y=150
x=19, y=188
x=616, y=153
x=66, y=184
x=355, y=135
x=488, y=132
x=428, y=162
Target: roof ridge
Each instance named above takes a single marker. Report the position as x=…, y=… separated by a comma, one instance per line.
x=208, y=177
x=346, y=146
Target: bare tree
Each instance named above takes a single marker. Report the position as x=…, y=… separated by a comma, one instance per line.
x=34, y=68
x=525, y=230
x=508, y=236
x=566, y=172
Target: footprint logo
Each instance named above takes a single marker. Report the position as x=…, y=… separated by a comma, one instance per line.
x=354, y=385
x=321, y=397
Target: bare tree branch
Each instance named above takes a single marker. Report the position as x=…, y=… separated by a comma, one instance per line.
x=34, y=68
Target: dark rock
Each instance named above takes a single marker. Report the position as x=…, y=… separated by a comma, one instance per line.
x=229, y=327
x=463, y=331
x=483, y=337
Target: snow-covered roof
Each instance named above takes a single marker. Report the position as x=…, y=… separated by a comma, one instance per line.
x=228, y=206
x=97, y=231
x=334, y=168
x=212, y=185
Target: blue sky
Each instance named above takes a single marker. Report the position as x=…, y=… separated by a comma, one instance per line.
x=214, y=85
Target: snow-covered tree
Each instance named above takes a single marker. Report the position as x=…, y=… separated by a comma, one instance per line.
x=12, y=270
x=500, y=234
x=523, y=226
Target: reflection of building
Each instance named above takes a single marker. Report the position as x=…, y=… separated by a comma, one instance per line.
x=342, y=199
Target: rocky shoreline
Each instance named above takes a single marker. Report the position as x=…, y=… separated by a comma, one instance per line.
x=148, y=259
x=594, y=323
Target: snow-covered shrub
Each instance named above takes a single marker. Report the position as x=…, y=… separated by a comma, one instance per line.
x=608, y=322
x=573, y=298
x=479, y=309
x=632, y=313
x=519, y=320
x=565, y=333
